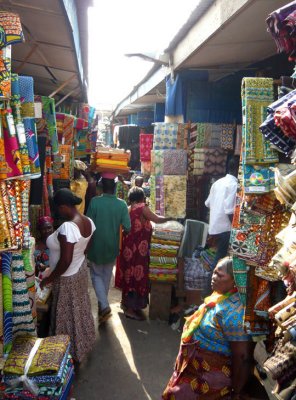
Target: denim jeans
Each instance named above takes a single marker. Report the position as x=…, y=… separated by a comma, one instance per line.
x=101, y=278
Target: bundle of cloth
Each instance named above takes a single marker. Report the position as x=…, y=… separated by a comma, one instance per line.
x=281, y=363
x=39, y=369
x=280, y=125
x=281, y=24
x=111, y=160
x=165, y=243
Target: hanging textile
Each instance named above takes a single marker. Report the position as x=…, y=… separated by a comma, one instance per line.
x=26, y=85
x=61, y=163
x=146, y=144
x=29, y=267
x=165, y=136
x=5, y=241
x=11, y=29
x=5, y=72
x=30, y=131
x=7, y=209
x=257, y=94
x=25, y=196
x=47, y=124
x=6, y=259
x=175, y=196
x=12, y=153
x=23, y=323
x=14, y=195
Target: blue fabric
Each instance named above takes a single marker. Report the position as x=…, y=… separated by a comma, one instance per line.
x=26, y=84
x=174, y=104
x=159, y=111
x=221, y=325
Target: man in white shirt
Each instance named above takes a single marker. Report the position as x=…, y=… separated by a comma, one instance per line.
x=221, y=202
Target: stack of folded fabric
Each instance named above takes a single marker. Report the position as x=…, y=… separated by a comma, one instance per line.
x=50, y=372
x=165, y=245
x=111, y=160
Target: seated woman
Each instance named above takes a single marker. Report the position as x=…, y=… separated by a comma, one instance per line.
x=71, y=308
x=134, y=257
x=41, y=254
x=215, y=355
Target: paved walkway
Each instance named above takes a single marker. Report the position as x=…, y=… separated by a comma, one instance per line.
x=131, y=360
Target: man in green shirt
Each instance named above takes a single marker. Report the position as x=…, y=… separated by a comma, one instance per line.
x=108, y=214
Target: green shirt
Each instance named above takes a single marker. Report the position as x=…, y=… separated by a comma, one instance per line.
x=107, y=213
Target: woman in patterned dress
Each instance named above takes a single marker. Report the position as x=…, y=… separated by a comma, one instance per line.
x=215, y=357
x=134, y=256
x=71, y=308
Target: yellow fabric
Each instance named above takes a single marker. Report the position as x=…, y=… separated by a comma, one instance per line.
x=79, y=187
x=165, y=242
x=111, y=162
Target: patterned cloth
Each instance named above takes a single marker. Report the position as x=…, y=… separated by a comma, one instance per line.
x=71, y=313
x=199, y=374
x=209, y=161
x=258, y=179
x=195, y=276
x=11, y=29
x=175, y=162
x=49, y=115
x=7, y=210
x=257, y=94
x=22, y=318
x=26, y=84
x=227, y=136
x=165, y=136
x=146, y=145
x=134, y=259
x=175, y=196
x=5, y=72
x=7, y=300
x=240, y=273
x=31, y=137
x=47, y=359
x=221, y=325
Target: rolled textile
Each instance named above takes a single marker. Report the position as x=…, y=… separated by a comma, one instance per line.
x=282, y=304
x=1, y=319
x=12, y=153
x=15, y=100
x=11, y=29
x=49, y=114
x=25, y=196
x=28, y=255
x=163, y=260
x=257, y=94
x=3, y=163
x=47, y=359
x=5, y=241
x=26, y=85
x=61, y=163
x=5, y=72
x=7, y=211
x=30, y=131
x=6, y=259
x=22, y=318
x=13, y=193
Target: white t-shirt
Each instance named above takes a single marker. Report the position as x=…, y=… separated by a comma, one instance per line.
x=221, y=202
x=73, y=235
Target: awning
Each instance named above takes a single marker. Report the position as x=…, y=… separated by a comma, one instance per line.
x=55, y=48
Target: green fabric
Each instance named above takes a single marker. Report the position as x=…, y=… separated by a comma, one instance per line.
x=107, y=213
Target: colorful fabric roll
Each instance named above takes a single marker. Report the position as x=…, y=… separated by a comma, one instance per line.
x=257, y=94
x=3, y=163
x=240, y=273
x=49, y=114
x=5, y=72
x=61, y=162
x=15, y=100
x=7, y=210
x=7, y=300
x=26, y=85
x=11, y=29
x=12, y=154
x=1, y=319
x=28, y=255
x=23, y=323
x=30, y=131
x=5, y=241
x=15, y=210
x=25, y=197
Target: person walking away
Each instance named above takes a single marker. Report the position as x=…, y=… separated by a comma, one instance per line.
x=134, y=256
x=79, y=184
x=71, y=307
x=108, y=214
x=221, y=202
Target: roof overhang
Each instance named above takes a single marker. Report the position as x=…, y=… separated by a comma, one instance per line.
x=223, y=38
x=55, y=47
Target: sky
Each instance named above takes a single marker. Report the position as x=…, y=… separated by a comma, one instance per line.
x=118, y=27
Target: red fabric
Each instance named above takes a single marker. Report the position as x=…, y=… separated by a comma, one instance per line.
x=134, y=257
x=285, y=118
x=146, y=145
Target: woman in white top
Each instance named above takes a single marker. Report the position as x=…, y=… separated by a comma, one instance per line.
x=71, y=309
